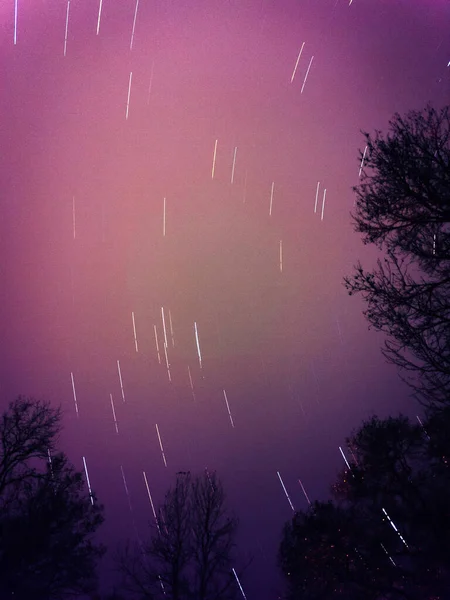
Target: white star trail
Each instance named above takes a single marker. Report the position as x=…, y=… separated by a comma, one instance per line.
x=151, y=501
x=317, y=195
x=390, y=558
x=306, y=76
x=395, y=528
x=134, y=24
x=15, y=21
x=281, y=256
x=164, y=217
x=120, y=379
x=228, y=407
x=304, y=492
x=67, y=27
x=345, y=458
x=190, y=381
x=134, y=332
x=323, y=203
x=73, y=218
x=88, y=481
x=239, y=584
x=362, y=162
x=114, y=413
x=171, y=330
x=285, y=491
x=198, y=345
x=296, y=64
x=150, y=84
x=74, y=394
x=234, y=164
x=99, y=15
x=157, y=345
x=271, y=199
x=128, y=97
x=167, y=363
x=214, y=160
x=164, y=326
x=126, y=490
x=161, y=446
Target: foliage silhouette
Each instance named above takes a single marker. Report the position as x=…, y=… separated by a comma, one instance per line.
x=403, y=207
x=47, y=520
x=190, y=552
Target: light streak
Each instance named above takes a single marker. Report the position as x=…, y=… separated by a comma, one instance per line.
x=67, y=26
x=434, y=244
x=161, y=446
x=74, y=394
x=157, y=345
x=134, y=331
x=239, y=584
x=164, y=325
x=164, y=217
x=306, y=76
x=171, y=330
x=134, y=24
x=362, y=162
x=317, y=194
x=88, y=481
x=167, y=363
x=151, y=501
x=304, y=491
x=296, y=64
x=121, y=382
x=99, y=15
x=50, y=462
x=390, y=558
x=285, y=491
x=234, y=164
x=214, y=160
x=395, y=528
x=15, y=21
x=323, y=202
x=150, y=84
x=228, y=408
x=344, y=457
x=198, y=345
x=114, y=413
x=281, y=256
x=128, y=98
x=190, y=381
x=73, y=218
x=245, y=187
x=126, y=491
x=271, y=199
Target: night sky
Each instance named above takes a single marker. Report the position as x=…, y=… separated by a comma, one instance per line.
x=85, y=242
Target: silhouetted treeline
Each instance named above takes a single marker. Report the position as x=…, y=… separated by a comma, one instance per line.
x=385, y=534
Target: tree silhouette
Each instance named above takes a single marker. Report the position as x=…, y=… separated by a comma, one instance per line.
x=386, y=533
x=403, y=207
x=190, y=552
x=47, y=520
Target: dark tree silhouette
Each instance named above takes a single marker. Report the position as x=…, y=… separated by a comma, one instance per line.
x=386, y=534
x=403, y=207
x=47, y=520
x=190, y=553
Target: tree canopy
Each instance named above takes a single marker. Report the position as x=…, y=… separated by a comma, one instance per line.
x=386, y=532
x=47, y=519
x=190, y=553
x=403, y=207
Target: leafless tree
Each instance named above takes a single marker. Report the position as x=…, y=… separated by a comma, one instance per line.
x=47, y=521
x=190, y=552
x=403, y=207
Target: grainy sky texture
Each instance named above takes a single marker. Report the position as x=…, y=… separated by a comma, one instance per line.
x=86, y=163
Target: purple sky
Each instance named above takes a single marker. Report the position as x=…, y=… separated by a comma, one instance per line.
x=290, y=347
